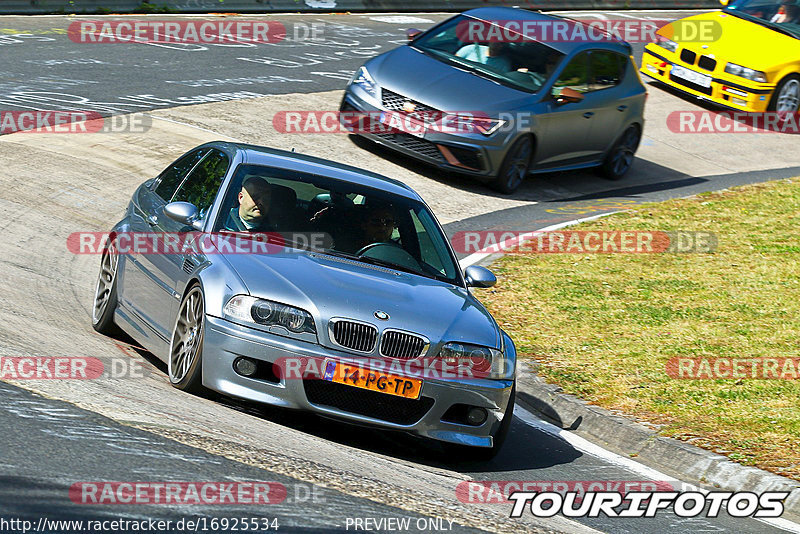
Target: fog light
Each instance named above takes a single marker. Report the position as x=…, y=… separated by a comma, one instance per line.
x=651, y=68
x=245, y=366
x=476, y=416
x=739, y=101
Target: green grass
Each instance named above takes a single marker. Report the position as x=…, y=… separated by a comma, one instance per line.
x=603, y=326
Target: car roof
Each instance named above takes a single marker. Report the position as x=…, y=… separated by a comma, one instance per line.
x=489, y=14
x=273, y=157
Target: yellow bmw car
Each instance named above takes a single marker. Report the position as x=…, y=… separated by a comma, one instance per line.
x=745, y=57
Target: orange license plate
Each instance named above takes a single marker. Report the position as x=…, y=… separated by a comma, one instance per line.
x=353, y=375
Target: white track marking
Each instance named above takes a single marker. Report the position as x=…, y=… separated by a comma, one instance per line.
x=617, y=460
x=475, y=257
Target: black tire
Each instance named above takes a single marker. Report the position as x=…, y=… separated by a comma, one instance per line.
x=105, y=293
x=791, y=84
x=485, y=454
x=515, y=166
x=620, y=158
x=187, y=343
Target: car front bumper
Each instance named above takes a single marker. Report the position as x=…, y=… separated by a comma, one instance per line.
x=726, y=90
x=468, y=153
x=225, y=341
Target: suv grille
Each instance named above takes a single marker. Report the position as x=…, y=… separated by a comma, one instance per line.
x=395, y=344
x=394, y=102
x=415, y=144
x=356, y=336
x=398, y=410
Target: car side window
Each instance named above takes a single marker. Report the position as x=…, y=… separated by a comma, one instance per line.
x=575, y=75
x=606, y=69
x=171, y=178
x=201, y=186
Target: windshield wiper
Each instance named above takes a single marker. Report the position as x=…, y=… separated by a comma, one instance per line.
x=486, y=74
x=373, y=261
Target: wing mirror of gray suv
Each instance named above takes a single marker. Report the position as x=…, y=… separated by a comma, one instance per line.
x=412, y=34
x=184, y=213
x=568, y=95
x=478, y=276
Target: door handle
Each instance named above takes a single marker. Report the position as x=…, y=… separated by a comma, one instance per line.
x=588, y=115
x=152, y=219
x=623, y=107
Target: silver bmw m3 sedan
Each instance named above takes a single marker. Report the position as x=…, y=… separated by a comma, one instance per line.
x=298, y=282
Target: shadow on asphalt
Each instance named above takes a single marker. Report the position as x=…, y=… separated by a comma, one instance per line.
x=525, y=447
x=559, y=186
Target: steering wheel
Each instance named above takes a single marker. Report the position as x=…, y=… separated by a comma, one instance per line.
x=366, y=248
x=391, y=252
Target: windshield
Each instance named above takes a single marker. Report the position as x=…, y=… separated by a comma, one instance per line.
x=327, y=215
x=780, y=15
x=524, y=64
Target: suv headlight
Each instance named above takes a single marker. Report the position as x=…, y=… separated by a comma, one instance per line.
x=663, y=42
x=474, y=360
x=468, y=123
x=269, y=313
x=365, y=81
x=744, y=72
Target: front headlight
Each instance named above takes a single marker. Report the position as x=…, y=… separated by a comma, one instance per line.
x=474, y=360
x=269, y=313
x=744, y=72
x=365, y=81
x=668, y=44
x=469, y=124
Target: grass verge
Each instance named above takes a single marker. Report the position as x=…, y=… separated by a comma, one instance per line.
x=604, y=326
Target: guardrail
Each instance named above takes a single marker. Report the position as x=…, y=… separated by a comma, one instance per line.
x=31, y=7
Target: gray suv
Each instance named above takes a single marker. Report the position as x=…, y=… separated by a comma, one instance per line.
x=498, y=109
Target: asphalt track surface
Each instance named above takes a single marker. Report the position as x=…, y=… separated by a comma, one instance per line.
x=139, y=428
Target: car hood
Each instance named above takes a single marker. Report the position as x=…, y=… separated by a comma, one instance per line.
x=743, y=42
x=328, y=286
x=411, y=73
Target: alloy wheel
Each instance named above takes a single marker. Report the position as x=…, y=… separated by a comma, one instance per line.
x=789, y=97
x=518, y=164
x=105, y=282
x=187, y=337
x=623, y=155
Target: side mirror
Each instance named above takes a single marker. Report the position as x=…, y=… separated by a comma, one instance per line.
x=479, y=277
x=184, y=213
x=412, y=34
x=568, y=96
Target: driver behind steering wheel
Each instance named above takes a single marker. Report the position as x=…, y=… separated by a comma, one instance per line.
x=377, y=226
